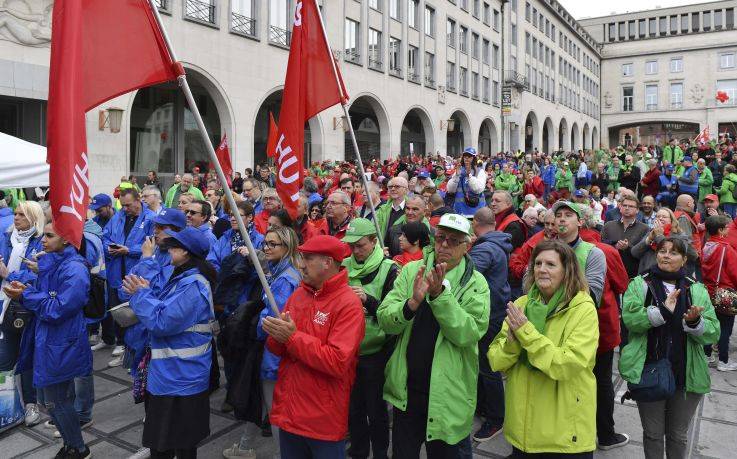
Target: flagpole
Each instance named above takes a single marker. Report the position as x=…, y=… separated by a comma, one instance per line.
x=350, y=127
x=182, y=79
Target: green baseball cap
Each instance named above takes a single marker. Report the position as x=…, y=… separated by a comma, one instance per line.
x=358, y=228
x=573, y=206
x=455, y=222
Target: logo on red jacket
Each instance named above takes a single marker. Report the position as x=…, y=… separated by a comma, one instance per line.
x=321, y=317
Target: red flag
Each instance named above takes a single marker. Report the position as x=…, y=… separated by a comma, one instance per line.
x=703, y=137
x=99, y=50
x=309, y=88
x=223, y=154
x=271, y=141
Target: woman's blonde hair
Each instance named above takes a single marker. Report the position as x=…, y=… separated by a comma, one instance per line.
x=34, y=213
x=573, y=279
x=674, y=226
x=289, y=238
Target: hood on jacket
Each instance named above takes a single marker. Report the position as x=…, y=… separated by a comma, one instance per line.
x=499, y=238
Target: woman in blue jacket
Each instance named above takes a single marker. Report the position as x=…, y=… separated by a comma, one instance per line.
x=22, y=240
x=55, y=341
x=179, y=322
x=280, y=251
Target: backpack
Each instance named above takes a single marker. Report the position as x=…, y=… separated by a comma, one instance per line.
x=96, y=306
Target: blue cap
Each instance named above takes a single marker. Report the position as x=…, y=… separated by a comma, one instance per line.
x=669, y=167
x=579, y=193
x=687, y=158
x=172, y=217
x=423, y=174
x=100, y=200
x=193, y=240
x=469, y=151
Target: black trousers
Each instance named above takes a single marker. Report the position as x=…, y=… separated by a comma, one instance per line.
x=604, y=396
x=409, y=431
x=368, y=418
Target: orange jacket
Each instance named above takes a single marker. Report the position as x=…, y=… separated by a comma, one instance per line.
x=318, y=362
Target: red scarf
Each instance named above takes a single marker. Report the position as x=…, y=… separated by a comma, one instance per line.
x=406, y=257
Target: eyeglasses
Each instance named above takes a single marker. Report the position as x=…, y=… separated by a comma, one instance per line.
x=334, y=203
x=451, y=242
x=394, y=187
x=192, y=212
x=272, y=245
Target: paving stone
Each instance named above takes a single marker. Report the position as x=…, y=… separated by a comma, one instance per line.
x=628, y=451
x=721, y=406
x=117, y=412
x=17, y=443
x=107, y=450
x=132, y=435
x=627, y=420
x=105, y=387
x=716, y=439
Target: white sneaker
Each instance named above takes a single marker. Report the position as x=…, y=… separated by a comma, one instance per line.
x=49, y=424
x=116, y=362
x=99, y=345
x=721, y=366
x=118, y=350
x=32, y=414
x=235, y=452
x=712, y=359
x=82, y=426
x=143, y=453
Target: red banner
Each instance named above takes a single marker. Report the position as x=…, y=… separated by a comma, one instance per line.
x=310, y=87
x=223, y=154
x=99, y=50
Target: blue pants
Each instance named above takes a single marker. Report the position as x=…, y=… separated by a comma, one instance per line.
x=84, y=397
x=297, y=447
x=59, y=401
x=9, y=349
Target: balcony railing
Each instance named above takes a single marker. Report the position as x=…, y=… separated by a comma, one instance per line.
x=242, y=24
x=651, y=106
x=429, y=81
x=352, y=56
x=450, y=86
x=279, y=36
x=375, y=63
x=201, y=11
x=396, y=71
x=162, y=4
x=413, y=76
x=516, y=79
x=676, y=105
x=463, y=92
x=486, y=99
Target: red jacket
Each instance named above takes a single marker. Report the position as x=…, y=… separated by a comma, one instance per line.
x=615, y=284
x=651, y=181
x=536, y=187
x=732, y=234
x=521, y=256
x=261, y=221
x=712, y=258
x=318, y=362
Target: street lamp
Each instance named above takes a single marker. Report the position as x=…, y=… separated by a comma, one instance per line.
x=112, y=118
x=450, y=125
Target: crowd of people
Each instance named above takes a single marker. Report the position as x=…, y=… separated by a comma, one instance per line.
x=405, y=294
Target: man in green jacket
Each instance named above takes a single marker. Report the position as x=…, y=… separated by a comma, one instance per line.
x=706, y=181
x=371, y=276
x=506, y=180
x=185, y=186
x=672, y=153
x=439, y=310
x=564, y=180
x=392, y=212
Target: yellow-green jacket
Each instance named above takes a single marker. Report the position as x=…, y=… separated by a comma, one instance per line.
x=463, y=315
x=551, y=408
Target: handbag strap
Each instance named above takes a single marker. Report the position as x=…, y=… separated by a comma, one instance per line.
x=721, y=263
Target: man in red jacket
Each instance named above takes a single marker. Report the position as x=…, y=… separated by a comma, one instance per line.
x=317, y=337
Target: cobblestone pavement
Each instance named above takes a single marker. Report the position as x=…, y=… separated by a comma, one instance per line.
x=116, y=432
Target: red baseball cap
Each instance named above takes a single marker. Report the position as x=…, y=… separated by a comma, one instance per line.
x=711, y=197
x=329, y=246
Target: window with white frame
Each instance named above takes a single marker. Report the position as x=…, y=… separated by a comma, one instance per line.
x=495, y=93
x=476, y=8
x=495, y=23
x=395, y=56
x=375, y=60
x=395, y=10
x=651, y=67
x=375, y=4
x=450, y=76
x=463, y=81
x=463, y=39
x=628, y=98
x=495, y=57
x=278, y=19
x=651, y=97
x=627, y=69
x=430, y=69
x=729, y=87
x=487, y=14
x=726, y=61
x=475, y=45
x=676, y=95
x=412, y=7
x=352, y=45
x=474, y=85
x=412, y=72
x=450, y=33
x=242, y=17
x=429, y=21
x=676, y=65
x=485, y=54
x=485, y=90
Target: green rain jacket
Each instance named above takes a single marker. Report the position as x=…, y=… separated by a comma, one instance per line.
x=551, y=407
x=462, y=311
x=634, y=315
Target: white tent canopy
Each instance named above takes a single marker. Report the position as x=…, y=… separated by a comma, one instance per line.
x=22, y=164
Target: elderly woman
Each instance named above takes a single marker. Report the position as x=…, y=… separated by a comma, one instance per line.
x=549, y=341
x=670, y=318
x=467, y=185
x=666, y=225
x=18, y=249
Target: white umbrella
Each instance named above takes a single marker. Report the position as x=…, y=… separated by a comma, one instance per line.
x=22, y=164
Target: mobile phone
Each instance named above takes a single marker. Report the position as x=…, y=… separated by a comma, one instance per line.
x=115, y=246
x=26, y=259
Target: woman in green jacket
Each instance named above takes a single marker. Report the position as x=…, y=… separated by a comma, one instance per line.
x=668, y=315
x=547, y=348
x=726, y=191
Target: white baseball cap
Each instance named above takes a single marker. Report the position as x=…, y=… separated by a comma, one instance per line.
x=455, y=222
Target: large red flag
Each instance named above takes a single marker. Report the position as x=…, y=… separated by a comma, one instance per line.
x=223, y=154
x=310, y=87
x=99, y=50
